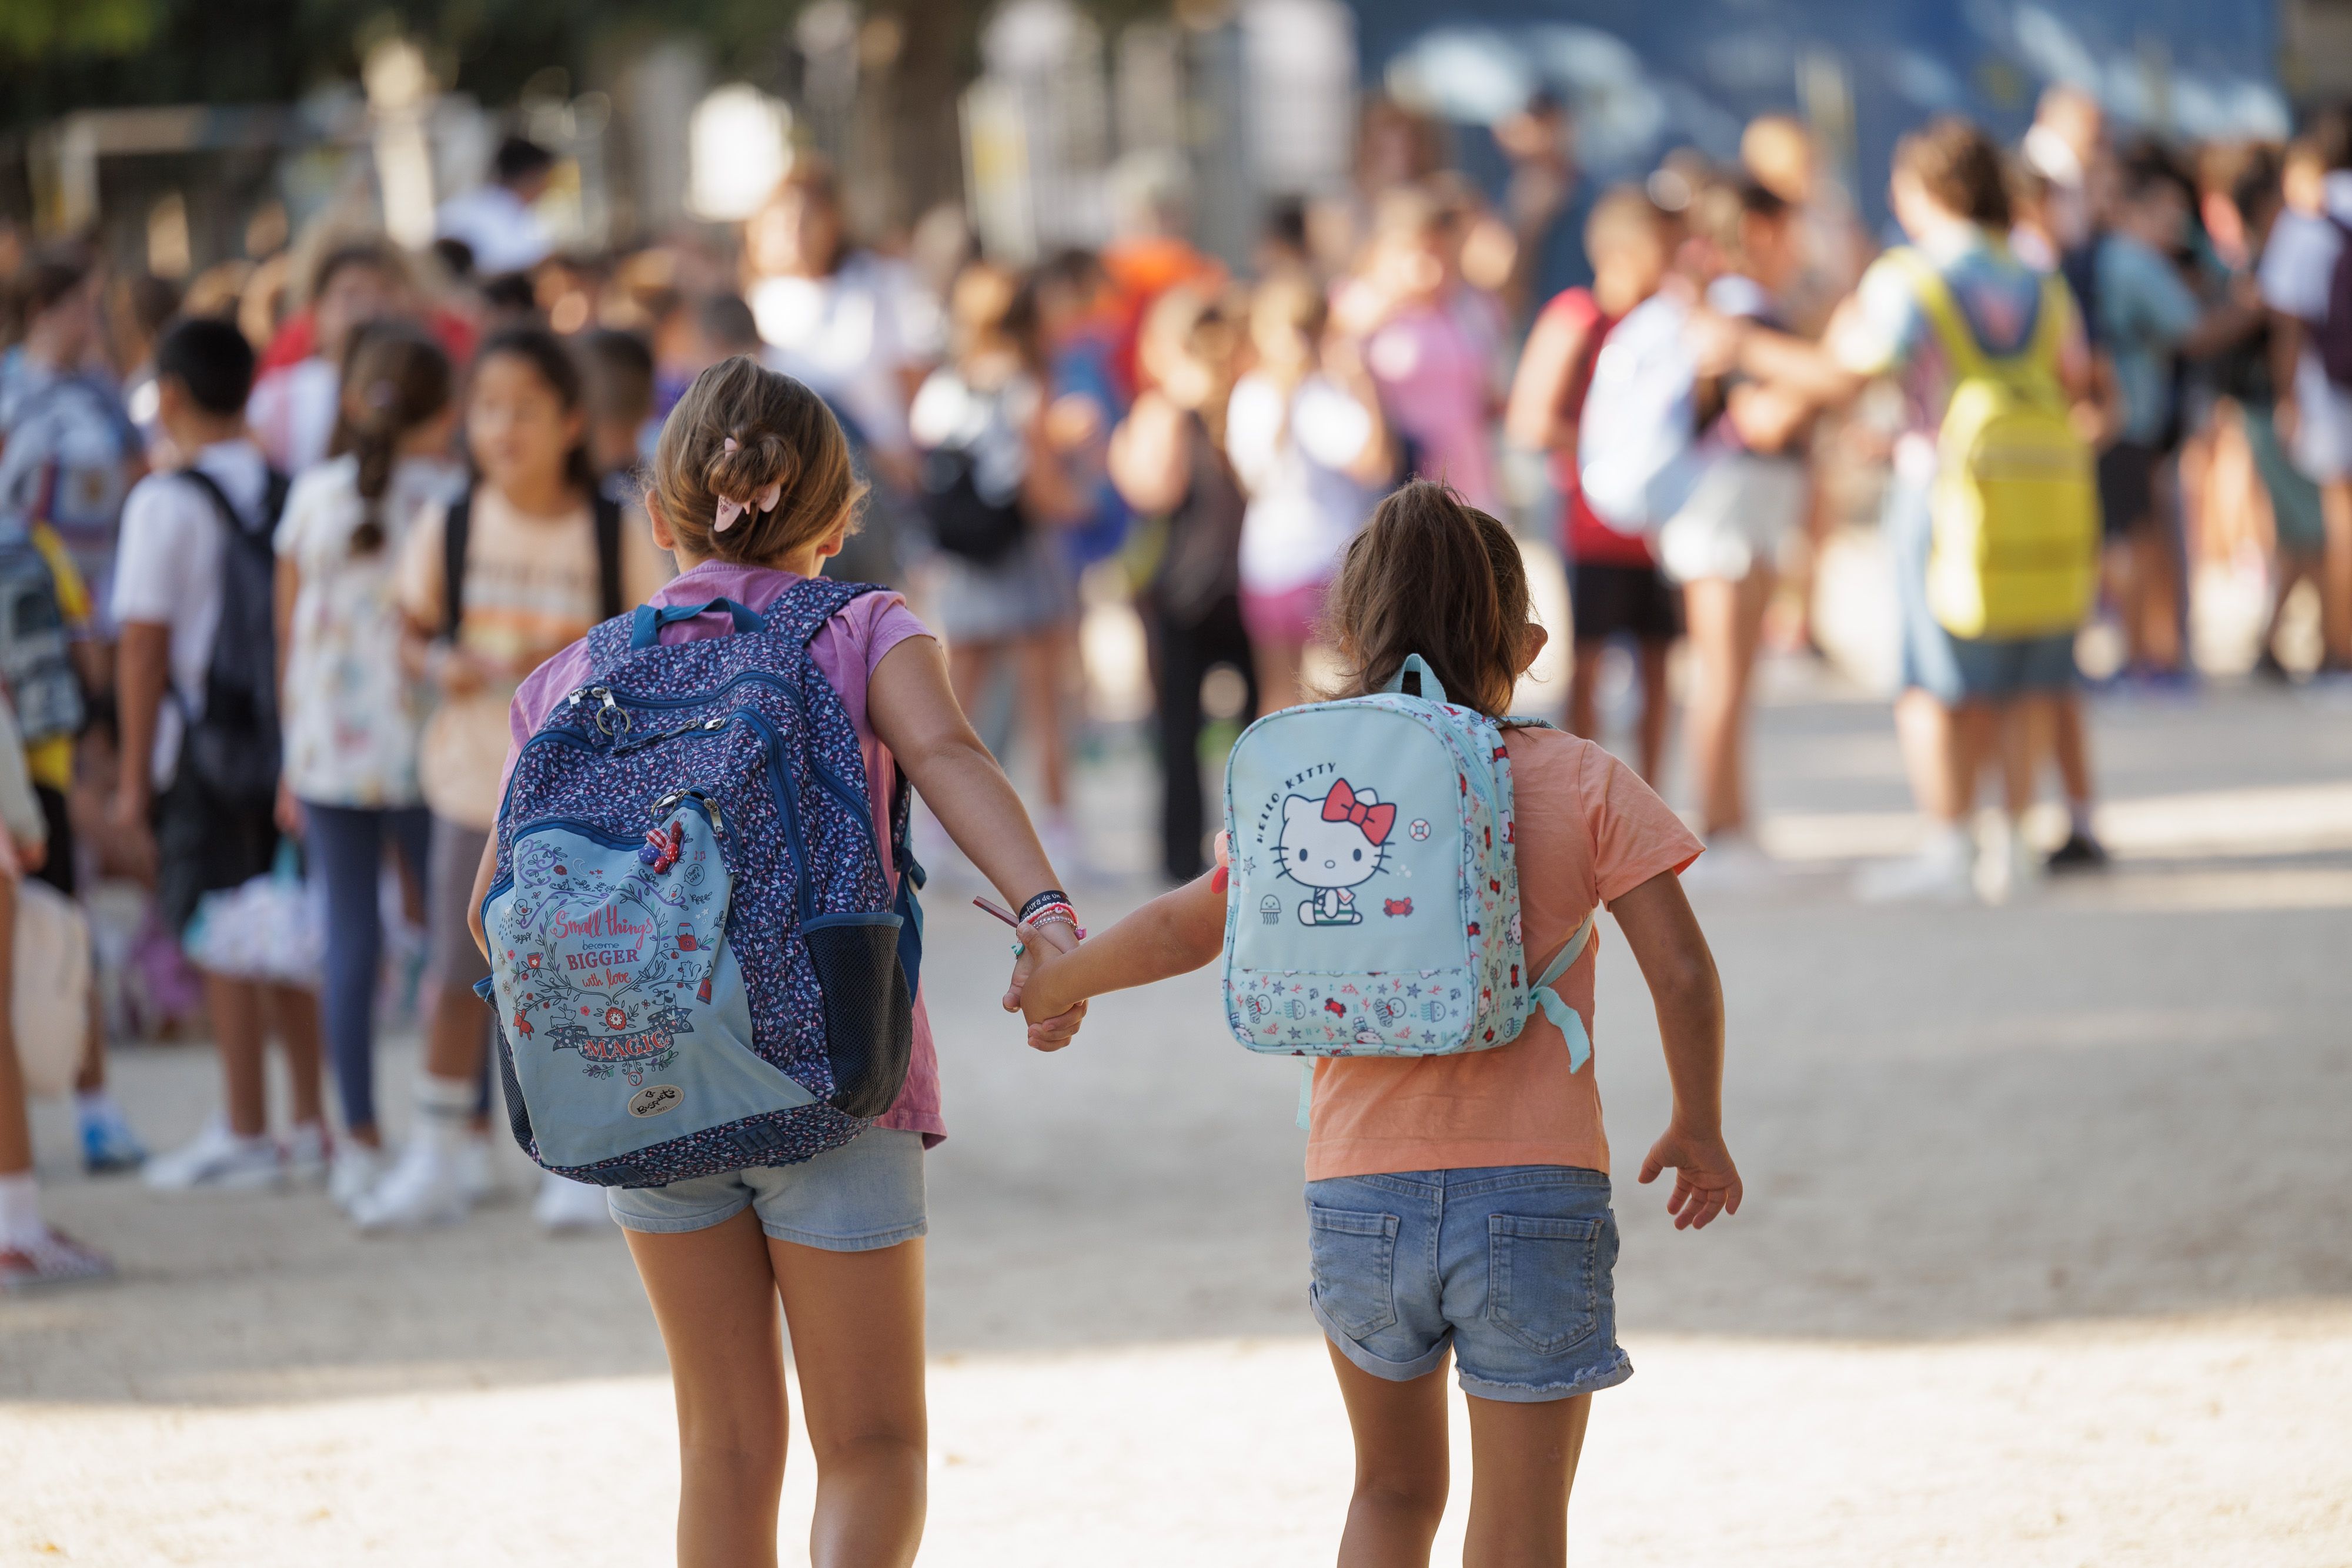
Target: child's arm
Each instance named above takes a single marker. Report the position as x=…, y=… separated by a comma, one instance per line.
x=1667, y=943
x=1172, y=935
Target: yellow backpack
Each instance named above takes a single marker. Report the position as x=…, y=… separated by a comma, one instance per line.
x=2015, y=505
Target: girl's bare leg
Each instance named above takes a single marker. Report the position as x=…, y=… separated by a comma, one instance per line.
x=714, y=1294
x=1727, y=622
x=1522, y=1464
x=1041, y=669
x=234, y=1009
x=1583, y=684
x=457, y=1038
x=294, y=1012
x=857, y=1348
x=1653, y=656
x=1279, y=677
x=1400, y=1467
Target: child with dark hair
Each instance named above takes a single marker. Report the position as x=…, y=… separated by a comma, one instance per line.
x=1421, y=1171
x=195, y=804
x=619, y=368
x=529, y=559
x=350, y=712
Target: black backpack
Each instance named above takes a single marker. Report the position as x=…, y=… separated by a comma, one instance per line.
x=964, y=522
x=231, y=747
x=456, y=532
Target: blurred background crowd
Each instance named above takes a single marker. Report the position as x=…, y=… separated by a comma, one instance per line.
x=1132, y=312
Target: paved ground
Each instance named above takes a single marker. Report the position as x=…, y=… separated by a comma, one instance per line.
x=2046, y=1258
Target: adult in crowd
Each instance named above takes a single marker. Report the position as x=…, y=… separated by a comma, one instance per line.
x=1168, y=458
x=496, y=220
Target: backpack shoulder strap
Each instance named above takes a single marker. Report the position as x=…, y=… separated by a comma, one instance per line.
x=1934, y=296
x=808, y=605
x=1546, y=992
x=608, y=555
x=456, y=528
x=223, y=508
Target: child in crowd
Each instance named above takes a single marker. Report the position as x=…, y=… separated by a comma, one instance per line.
x=1461, y=1203
x=753, y=491
x=185, y=810
x=1615, y=590
x=350, y=711
x=32, y=1252
x=619, y=369
x=1306, y=435
x=527, y=560
x=294, y=409
x=1434, y=372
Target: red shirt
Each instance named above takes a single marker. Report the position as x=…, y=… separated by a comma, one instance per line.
x=1586, y=539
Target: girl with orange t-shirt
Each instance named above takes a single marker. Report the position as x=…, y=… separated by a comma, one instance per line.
x=1461, y=1203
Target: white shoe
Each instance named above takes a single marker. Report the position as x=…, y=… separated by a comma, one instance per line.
x=217, y=1159
x=477, y=1171
x=426, y=1187
x=2009, y=869
x=1939, y=873
x=565, y=1204
x=308, y=1153
x=356, y=1172
x=1732, y=862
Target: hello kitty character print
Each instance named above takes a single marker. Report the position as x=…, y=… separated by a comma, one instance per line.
x=1333, y=844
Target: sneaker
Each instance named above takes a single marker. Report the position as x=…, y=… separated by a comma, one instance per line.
x=1939, y=873
x=354, y=1172
x=2268, y=668
x=477, y=1170
x=218, y=1159
x=108, y=1144
x=1733, y=862
x=2009, y=870
x=426, y=1187
x=55, y=1258
x=2079, y=852
x=309, y=1154
x=565, y=1204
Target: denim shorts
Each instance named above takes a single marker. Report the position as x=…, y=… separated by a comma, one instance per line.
x=867, y=1194
x=1508, y=1264
x=1957, y=670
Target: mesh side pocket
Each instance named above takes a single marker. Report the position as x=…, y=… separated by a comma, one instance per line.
x=869, y=1017
x=518, y=1114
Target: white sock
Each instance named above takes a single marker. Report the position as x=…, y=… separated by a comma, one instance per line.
x=20, y=1211
x=96, y=1105
x=1946, y=842
x=444, y=1107
x=2078, y=815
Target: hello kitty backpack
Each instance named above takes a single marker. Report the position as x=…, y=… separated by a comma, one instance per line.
x=1372, y=900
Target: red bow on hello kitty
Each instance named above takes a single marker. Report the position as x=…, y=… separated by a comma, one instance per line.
x=1341, y=806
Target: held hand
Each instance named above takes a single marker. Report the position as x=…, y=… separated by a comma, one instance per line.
x=1040, y=944
x=290, y=821
x=1705, y=1181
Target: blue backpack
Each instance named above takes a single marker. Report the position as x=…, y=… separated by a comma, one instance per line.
x=1372, y=908
x=696, y=962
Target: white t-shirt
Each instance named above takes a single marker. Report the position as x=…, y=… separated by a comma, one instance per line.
x=2298, y=262
x=352, y=715
x=504, y=235
x=292, y=413
x=1304, y=505
x=853, y=337
x=167, y=572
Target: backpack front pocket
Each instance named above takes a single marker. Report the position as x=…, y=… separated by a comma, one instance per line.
x=869, y=1015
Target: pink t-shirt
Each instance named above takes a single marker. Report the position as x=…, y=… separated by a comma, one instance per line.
x=847, y=649
x=1434, y=388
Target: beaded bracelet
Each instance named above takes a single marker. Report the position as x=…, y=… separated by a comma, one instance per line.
x=1057, y=913
x=1047, y=899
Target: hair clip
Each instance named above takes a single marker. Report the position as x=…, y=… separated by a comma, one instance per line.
x=763, y=500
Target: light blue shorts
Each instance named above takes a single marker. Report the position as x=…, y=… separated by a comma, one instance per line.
x=1508, y=1264
x=867, y=1194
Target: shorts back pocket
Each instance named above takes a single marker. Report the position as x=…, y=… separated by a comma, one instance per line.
x=1541, y=1280
x=1354, y=1258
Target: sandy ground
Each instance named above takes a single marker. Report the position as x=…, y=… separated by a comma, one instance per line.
x=2046, y=1258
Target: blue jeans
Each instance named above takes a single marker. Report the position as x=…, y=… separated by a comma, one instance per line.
x=347, y=849
x=1508, y=1265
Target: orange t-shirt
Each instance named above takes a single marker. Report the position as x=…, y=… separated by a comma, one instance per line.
x=1587, y=830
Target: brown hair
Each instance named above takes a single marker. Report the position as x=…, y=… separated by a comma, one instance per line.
x=1431, y=575
x=784, y=435
x=395, y=379
x=1957, y=164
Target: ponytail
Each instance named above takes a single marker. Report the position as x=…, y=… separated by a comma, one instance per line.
x=396, y=380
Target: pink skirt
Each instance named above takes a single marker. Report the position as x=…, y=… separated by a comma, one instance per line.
x=1293, y=617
